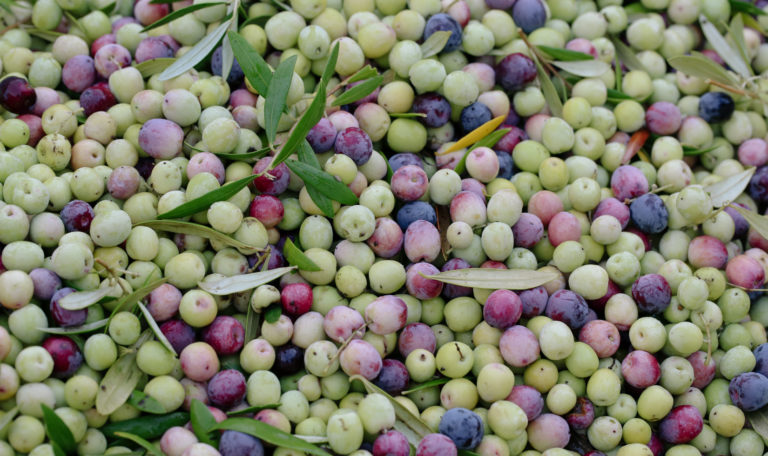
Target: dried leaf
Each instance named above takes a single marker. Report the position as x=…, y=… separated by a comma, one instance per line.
x=475, y=135
x=495, y=279
x=435, y=43
x=156, y=329
x=584, y=68
x=177, y=226
x=196, y=54
x=270, y=434
x=118, y=383
x=238, y=283
x=151, y=449
x=728, y=189
x=627, y=56
x=151, y=67
x=721, y=46
x=296, y=257
x=83, y=299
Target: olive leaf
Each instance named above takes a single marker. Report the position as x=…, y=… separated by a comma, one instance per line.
x=180, y=13
x=699, y=65
x=296, y=257
x=565, y=55
x=273, y=312
x=728, y=189
x=82, y=299
x=147, y=426
x=736, y=30
x=495, y=279
x=246, y=156
x=151, y=449
x=755, y=220
x=488, y=141
x=277, y=92
x=146, y=403
x=583, y=68
x=7, y=417
x=475, y=135
x=616, y=95
x=269, y=434
x=242, y=282
x=427, y=385
x=359, y=91
x=307, y=155
x=130, y=300
x=57, y=430
x=202, y=203
x=118, y=383
x=196, y=54
x=362, y=74
x=177, y=226
x=746, y=7
x=254, y=409
x=759, y=422
x=548, y=89
x=407, y=115
x=202, y=421
x=73, y=21
x=156, y=329
x=88, y=327
x=323, y=182
x=47, y=35
x=255, y=68
x=151, y=67
x=692, y=151
x=723, y=49
x=435, y=43
x=627, y=56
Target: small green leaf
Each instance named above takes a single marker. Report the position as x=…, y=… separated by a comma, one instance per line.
x=151, y=67
x=323, y=203
x=583, y=68
x=127, y=302
x=146, y=426
x=251, y=323
x=727, y=190
x=202, y=421
x=296, y=257
x=565, y=55
x=701, y=66
x=273, y=312
x=242, y=282
x=227, y=56
x=617, y=68
x=389, y=167
x=151, y=449
x=254, y=409
x=759, y=422
x=746, y=7
x=82, y=299
x=270, y=434
x=363, y=73
x=495, y=279
x=724, y=50
x=263, y=152
x=736, y=30
x=307, y=155
x=177, y=226
x=488, y=141
x=614, y=94
x=548, y=90
x=47, y=35
x=692, y=151
x=73, y=21
x=627, y=56
x=180, y=13
x=146, y=403
x=156, y=329
x=195, y=55
x=58, y=431
x=276, y=96
x=255, y=68
x=118, y=383
x=202, y=203
x=359, y=91
x=7, y=417
x=6, y=5
x=407, y=115
x=88, y=327
x=427, y=385
x=435, y=43
x=323, y=182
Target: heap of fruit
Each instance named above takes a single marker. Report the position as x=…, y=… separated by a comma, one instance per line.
x=383, y=227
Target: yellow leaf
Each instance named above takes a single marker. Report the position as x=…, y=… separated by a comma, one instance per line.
x=475, y=135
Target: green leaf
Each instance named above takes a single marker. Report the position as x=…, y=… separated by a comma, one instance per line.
x=6, y=5
x=495, y=279
x=548, y=89
x=627, y=56
x=723, y=49
x=389, y=167
x=88, y=327
x=617, y=68
x=363, y=73
x=202, y=421
x=427, y=385
x=359, y=91
x=202, y=203
x=180, y=13
x=127, y=302
x=323, y=182
x=276, y=96
x=146, y=426
x=58, y=431
x=195, y=55
x=614, y=94
x=323, y=203
x=407, y=115
x=251, y=323
x=759, y=422
x=435, y=43
x=692, y=151
x=583, y=68
x=151, y=67
x=118, y=383
x=254, y=409
x=565, y=55
x=73, y=20
x=728, y=189
x=177, y=226
x=700, y=66
x=296, y=257
x=242, y=282
x=488, y=141
x=47, y=35
x=736, y=30
x=273, y=312
x=7, y=417
x=146, y=403
x=227, y=56
x=108, y=9
x=151, y=449
x=156, y=329
x=82, y=299
x=246, y=156
x=307, y=155
x=755, y=220
x=255, y=68
x=270, y=434
x=746, y=7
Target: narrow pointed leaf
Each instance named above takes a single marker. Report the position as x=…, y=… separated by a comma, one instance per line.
x=263, y=152
x=307, y=155
x=254, y=409
x=411, y=421
x=435, y=43
x=144, y=443
x=255, y=68
x=146, y=403
x=270, y=434
x=728, y=189
x=619, y=72
x=296, y=257
x=565, y=55
x=242, y=282
x=177, y=226
x=227, y=56
x=584, y=68
x=736, y=30
x=759, y=422
x=202, y=203
x=614, y=94
x=196, y=54
x=83, y=299
x=389, y=167
x=47, y=35
x=72, y=330
x=273, y=312
x=58, y=431
x=692, y=151
x=73, y=21
x=746, y=7
x=180, y=13
x=495, y=279
x=426, y=385
x=548, y=90
x=476, y=135
x=6, y=418
x=251, y=323
x=755, y=220
x=323, y=182
x=407, y=115
x=117, y=384
x=151, y=67
x=702, y=67
x=202, y=421
x=324, y=203
x=276, y=95
x=721, y=46
x=362, y=74
x=128, y=301
x=147, y=426
x=156, y=329
x=488, y=141
x=627, y=55
x=359, y=91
